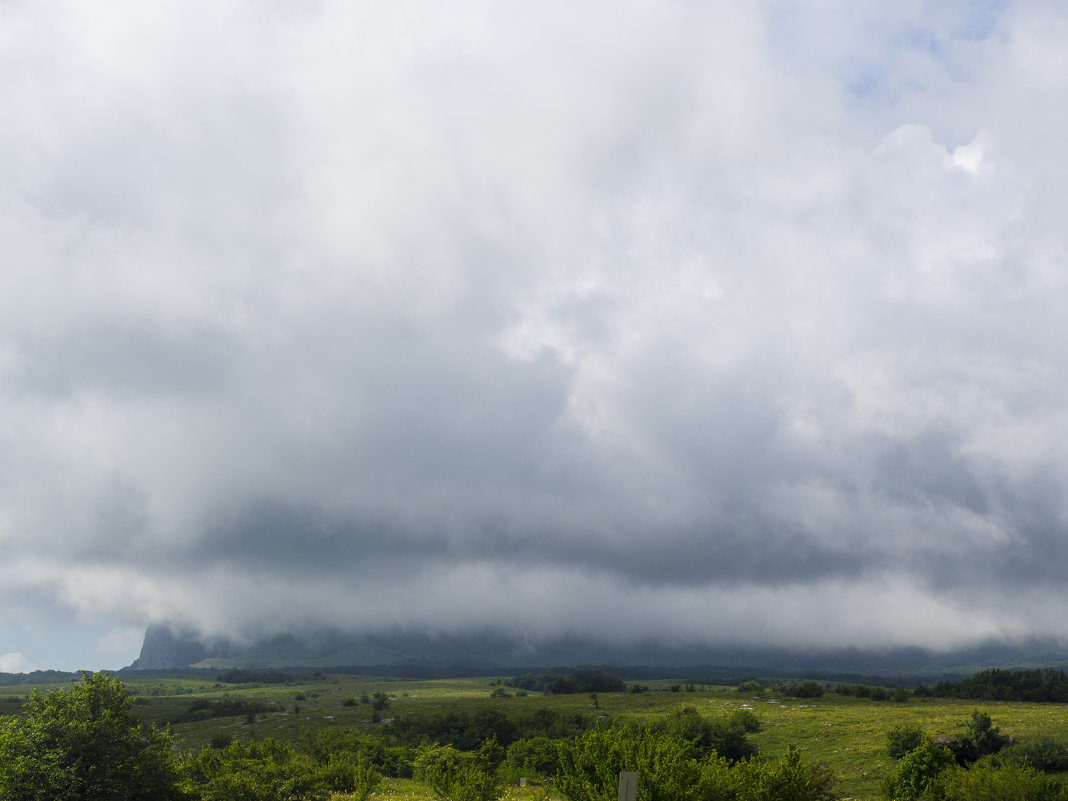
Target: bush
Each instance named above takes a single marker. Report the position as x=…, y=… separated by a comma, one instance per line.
x=379, y=702
x=985, y=781
x=84, y=743
x=982, y=736
x=270, y=771
x=902, y=739
x=667, y=766
x=460, y=776
x=347, y=773
x=1042, y=753
x=809, y=689
x=744, y=719
x=919, y=768
x=719, y=736
x=757, y=779
x=536, y=757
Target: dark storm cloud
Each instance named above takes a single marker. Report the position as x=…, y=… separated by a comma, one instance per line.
x=468, y=318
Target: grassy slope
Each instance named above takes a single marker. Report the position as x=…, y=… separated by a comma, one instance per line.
x=848, y=734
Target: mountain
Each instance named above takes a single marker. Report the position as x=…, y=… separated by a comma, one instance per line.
x=168, y=647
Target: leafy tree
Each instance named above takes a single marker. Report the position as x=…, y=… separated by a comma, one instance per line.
x=459, y=776
x=380, y=701
x=351, y=774
x=85, y=744
x=1043, y=685
x=982, y=736
x=725, y=737
x=536, y=757
x=986, y=781
x=902, y=739
x=917, y=772
x=666, y=764
x=1044, y=753
x=270, y=771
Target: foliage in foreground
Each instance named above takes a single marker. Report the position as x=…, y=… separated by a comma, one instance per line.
x=671, y=768
x=84, y=743
x=458, y=776
x=973, y=771
x=273, y=771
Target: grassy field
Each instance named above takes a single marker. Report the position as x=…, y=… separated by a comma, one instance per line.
x=846, y=733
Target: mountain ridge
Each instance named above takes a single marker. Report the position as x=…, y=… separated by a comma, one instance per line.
x=168, y=647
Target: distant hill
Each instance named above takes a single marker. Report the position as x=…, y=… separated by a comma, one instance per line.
x=168, y=647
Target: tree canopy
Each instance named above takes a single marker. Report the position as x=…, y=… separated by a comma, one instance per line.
x=84, y=744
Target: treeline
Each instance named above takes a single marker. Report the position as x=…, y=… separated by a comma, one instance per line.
x=466, y=731
x=580, y=680
x=37, y=677
x=206, y=709
x=1046, y=685
x=256, y=677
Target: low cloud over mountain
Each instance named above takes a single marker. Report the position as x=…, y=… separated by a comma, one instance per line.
x=669, y=323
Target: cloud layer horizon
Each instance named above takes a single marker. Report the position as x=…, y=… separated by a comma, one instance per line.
x=682, y=321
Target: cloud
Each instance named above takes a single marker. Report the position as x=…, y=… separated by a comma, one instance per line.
x=367, y=316
x=15, y=663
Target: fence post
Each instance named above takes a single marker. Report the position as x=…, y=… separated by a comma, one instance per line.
x=628, y=785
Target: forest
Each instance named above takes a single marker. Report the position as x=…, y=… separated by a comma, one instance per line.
x=278, y=737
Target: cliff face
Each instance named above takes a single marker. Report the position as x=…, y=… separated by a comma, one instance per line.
x=165, y=647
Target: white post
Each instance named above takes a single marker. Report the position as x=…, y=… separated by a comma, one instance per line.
x=628, y=785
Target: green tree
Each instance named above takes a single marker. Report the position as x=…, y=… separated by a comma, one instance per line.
x=918, y=770
x=986, y=781
x=85, y=744
x=982, y=736
x=902, y=739
x=666, y=764
x=759, y=779
x=461, y=776
x=380, y=701
x=270, y=771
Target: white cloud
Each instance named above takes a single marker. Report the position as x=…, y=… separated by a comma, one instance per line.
x=16, y=663
x=644, y=296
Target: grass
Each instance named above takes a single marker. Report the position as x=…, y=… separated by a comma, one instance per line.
x=846, y=733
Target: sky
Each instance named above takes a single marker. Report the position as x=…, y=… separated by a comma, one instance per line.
x=688, y=322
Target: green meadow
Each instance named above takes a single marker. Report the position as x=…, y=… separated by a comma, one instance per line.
x=846, y=733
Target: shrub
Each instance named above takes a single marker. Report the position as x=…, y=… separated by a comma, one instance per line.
x=918, y=770
x=350, y=774
x=720, y=736
x=270, y=771
x=533, y=756
x=902, y=739
x=744, y=719
x=982, y=736
x=787, y=779
x=666, y=764
x=985, y=781
x=380, y=701
x=1042, y=753
x=84, y=743
x=460, y=776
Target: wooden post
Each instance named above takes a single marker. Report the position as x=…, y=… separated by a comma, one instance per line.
x=628, y=785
